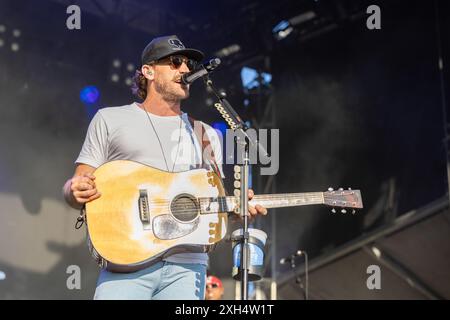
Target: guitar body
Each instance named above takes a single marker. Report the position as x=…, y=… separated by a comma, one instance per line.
x=144, y=214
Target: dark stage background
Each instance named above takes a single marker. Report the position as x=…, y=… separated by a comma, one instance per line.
x=355, y=107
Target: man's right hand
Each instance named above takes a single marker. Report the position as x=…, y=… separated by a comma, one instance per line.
x=83, y=188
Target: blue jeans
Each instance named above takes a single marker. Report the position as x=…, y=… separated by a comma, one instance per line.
x=161, y=281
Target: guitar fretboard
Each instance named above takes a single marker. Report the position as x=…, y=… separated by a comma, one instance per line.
x=228, y=204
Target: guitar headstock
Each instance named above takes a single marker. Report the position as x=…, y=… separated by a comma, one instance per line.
x=345, y=199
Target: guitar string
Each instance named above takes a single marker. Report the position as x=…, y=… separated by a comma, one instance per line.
x=227, y=201
x=231, y=199
x=192, y=212
x=258, y=197
x=312, y=197
x=222, y=205
x=271, y=197
x=223, y=202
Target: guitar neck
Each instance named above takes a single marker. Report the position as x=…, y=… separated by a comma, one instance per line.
x=287, y=199
x=228, y=204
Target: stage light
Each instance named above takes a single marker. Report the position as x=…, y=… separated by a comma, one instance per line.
x=89, y=94
x=128, y=81
x=2, y=28
x=228, y=51
x=116, y=63
x=209, y=101
x=282, y=30
x=376, y=252
x=253, y=79
x=302, y=18
x=115, y=77
x=130, y=67
x=285, y=27
x=221, y=126
x=15, y=47
x=2, y=43
x=16, y=33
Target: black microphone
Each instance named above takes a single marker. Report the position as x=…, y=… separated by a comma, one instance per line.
x=200, y=71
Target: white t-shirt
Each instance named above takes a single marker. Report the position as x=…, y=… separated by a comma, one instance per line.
x=126, y=133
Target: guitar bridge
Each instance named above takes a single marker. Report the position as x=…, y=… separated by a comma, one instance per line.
x=144, y=210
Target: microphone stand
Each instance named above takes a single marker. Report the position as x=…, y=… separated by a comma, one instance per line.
x=237, y=124
x=298, y=279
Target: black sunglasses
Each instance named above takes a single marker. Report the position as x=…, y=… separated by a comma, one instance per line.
x=176, y=62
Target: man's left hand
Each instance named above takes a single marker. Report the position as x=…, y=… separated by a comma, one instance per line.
x=258, y=209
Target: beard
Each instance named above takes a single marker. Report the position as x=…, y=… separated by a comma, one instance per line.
x=171, y=91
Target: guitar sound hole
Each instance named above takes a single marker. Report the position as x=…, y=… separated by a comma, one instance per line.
x=184, y=207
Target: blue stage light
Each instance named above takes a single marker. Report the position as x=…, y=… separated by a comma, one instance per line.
x=89, y=95
x=220, y=126
x=252, y=79
x=282, y=30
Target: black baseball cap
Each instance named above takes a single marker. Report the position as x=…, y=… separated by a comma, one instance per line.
x=165, y=46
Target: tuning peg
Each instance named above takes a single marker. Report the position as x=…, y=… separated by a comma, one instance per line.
x=353, y=211
x=350, y=189
x=330, y=189
x=333, y=210
x=341, y=189
x=237, y=184
x=344, y=211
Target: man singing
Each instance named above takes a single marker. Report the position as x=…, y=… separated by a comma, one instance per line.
x=159, y=134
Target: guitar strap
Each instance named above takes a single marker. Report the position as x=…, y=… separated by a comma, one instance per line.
x=203, y=140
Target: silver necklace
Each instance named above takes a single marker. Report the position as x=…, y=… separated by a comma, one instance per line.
x=160, y=144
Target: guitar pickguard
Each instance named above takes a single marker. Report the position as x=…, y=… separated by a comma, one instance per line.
x=166, y=228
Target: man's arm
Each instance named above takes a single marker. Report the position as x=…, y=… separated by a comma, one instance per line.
x=81, y=187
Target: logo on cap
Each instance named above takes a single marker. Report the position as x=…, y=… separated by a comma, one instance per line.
x=176, y=44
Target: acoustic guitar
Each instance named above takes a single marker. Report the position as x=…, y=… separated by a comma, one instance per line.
x=145, y=214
